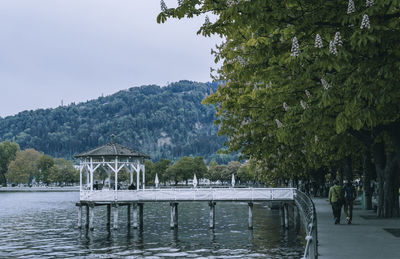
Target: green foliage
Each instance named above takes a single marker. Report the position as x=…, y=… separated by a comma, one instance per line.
x=24, y=166
x=185, y=168
x=223, y=173
x=67, y=174
x=160, y=168
x=163, y=122
x=275, y=107
x=8, y=151
x=47, y=171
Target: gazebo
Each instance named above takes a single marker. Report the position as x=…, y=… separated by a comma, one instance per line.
x=112, y=157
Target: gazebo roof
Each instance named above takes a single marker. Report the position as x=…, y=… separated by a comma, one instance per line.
x=112, y=149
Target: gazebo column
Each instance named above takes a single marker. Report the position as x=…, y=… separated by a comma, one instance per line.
x=116, y=173
x=80, y=178
x=144, y=177
x=91, y=174
x=109, y=177
x=116, y=181
x=87, y=178
x=137, y=178
x=131, y=173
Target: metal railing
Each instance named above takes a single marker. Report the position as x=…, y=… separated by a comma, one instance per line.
x=308, y=218
x=190, y=194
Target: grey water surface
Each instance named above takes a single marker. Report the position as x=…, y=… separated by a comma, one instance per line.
x=44, y=225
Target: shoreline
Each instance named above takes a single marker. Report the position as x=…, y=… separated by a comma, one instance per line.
x=40, y=189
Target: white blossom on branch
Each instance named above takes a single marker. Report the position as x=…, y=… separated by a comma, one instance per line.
x=365, y=22
x=338, y=39
x=163, y=6
x=351, y=8
x=318, y=41
x=332, y=48
x=308, y=93
x=285, y=106
x=278, y=123
x=207, y=21
x=325, y=84
x=242, y=62
x=369, y=3
x=303, y=104
x=295, y=48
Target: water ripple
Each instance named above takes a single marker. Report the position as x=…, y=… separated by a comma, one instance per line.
x=44, y=225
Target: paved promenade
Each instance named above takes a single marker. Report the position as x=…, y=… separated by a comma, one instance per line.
x=366, y=237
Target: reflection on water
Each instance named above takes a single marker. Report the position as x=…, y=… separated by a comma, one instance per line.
x=43, y=225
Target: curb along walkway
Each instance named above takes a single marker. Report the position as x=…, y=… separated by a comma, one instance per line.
x=364, y=238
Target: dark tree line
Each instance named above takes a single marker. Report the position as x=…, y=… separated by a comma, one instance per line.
x=165, y=122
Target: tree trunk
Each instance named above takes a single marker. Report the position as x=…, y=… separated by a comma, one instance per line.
x=367, y=173
x=348, y=170
x=391, y=203
x=4, y=180
x=379, y=157
x=387, y=170
x=340, y=175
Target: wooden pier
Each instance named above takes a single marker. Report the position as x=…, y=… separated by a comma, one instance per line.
x=113, y=158
x=135, y=200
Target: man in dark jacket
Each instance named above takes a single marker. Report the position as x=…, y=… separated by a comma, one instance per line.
x=349, y=197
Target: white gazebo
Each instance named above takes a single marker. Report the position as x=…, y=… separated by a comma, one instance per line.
x=112, y=157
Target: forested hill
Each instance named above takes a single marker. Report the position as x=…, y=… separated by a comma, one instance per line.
x=164, y=122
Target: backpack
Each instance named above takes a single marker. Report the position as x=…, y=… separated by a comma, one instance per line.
x=337, y=194
x=349, y=193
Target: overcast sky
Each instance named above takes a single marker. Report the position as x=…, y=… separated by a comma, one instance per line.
x=77, y=50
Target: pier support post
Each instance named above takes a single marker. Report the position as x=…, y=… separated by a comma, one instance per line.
x=108, y=216
x=115, y=208
x=286, y=214
x=211, y=204
x=91, y=220
x=282, y=214
x=174, y=215
x=296, y=218
x=80, y=216
x=87, y=216
x=250, y=215
x=129, y=215
x=140, y=205
x=135, y=215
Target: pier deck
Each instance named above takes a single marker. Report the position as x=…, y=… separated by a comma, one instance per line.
x=189, y=194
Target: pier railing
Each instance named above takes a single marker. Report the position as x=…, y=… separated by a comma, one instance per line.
x=308, y=218
x=189, y=194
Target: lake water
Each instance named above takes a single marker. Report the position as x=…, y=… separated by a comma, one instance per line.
x=44, y=225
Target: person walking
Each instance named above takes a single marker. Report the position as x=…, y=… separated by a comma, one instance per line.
x=336, y=200
x=349, y=197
